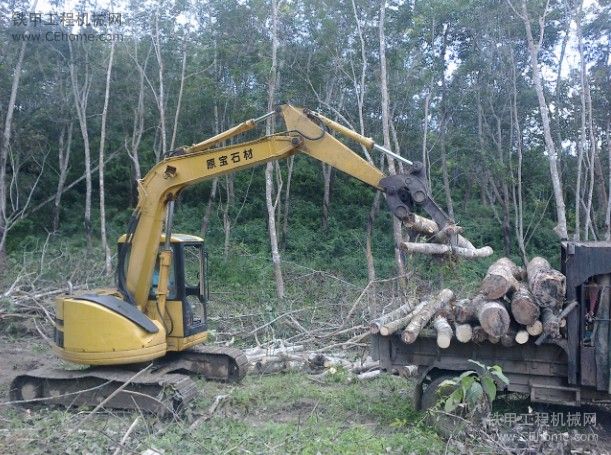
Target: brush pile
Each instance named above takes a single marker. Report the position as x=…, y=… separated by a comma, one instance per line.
x=512, y=305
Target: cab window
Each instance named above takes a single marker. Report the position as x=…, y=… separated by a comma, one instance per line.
x=171, y=282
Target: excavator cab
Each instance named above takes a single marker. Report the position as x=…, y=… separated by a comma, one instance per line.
x=188, y=290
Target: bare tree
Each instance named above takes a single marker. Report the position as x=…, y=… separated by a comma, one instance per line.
x=103, y=235
x=398, y=238
x=518, y=204
x=180, y=91
x=132, y=144
x=444, y=124
x=80, y=92
x=533, y=48
x=4, y=152
x=63, y=156
x=269, y=169
x=159, y=94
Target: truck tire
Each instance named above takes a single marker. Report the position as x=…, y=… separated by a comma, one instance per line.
x=429, y=395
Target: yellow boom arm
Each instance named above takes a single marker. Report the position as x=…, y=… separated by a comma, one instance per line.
x=161, y=185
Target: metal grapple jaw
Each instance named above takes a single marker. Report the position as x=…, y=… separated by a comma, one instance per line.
x=405, y=191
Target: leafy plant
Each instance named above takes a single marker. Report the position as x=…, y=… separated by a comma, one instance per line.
x=473, y=390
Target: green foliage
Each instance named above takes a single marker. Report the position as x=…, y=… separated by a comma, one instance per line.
x=472, y=390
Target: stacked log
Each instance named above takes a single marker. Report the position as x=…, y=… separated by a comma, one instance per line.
x=513, y=307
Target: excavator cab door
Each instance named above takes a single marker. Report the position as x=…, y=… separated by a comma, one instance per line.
x=192, y=261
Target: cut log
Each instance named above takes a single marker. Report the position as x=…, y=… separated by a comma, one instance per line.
x=509, y=339
x=551, y=322
x=522, y=336
x=535, y=329
x=479, y=334
x=502, y=276
x=523, y=306
x=464, y=311
x=494, y=318
x=492, y=315
x=403, y=310
x=369, y=375
x=444, y=332
x=368, y=365
x=392, y=326
x=547, y=285
x=438, y=249
x=430, y=228
x=464, y=332
x=424, y=314
x=421, y=224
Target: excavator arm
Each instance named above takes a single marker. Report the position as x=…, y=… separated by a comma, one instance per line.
x=306, y=132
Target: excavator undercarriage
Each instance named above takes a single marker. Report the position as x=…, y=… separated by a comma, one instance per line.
x=164, y=386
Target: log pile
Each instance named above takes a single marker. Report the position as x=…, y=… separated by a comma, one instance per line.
x=439, y=241
x=283, y=357
x=513, y=305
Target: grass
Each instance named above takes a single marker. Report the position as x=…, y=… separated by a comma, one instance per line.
x=286, y=413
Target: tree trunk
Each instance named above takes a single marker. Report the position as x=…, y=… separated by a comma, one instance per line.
x=517, y=188
x=269, y=169
x=103, y=235
x=138, y=122
x=81, y=97
x=287, y=200
x=561, y=228
x=180, y=91
x=326, y=195
x=4, y=150
x=523, y=306
x=581, y=146
x=386, y=134
x=64, y=149
x=443, y=126
x=226, y=217
x=208, y=211
x=160, y=95
x=502, y=277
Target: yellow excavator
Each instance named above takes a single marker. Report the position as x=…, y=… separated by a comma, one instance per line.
x=148, y=335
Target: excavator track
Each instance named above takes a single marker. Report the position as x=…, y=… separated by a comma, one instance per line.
x=165, y=387
x=216, y=363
